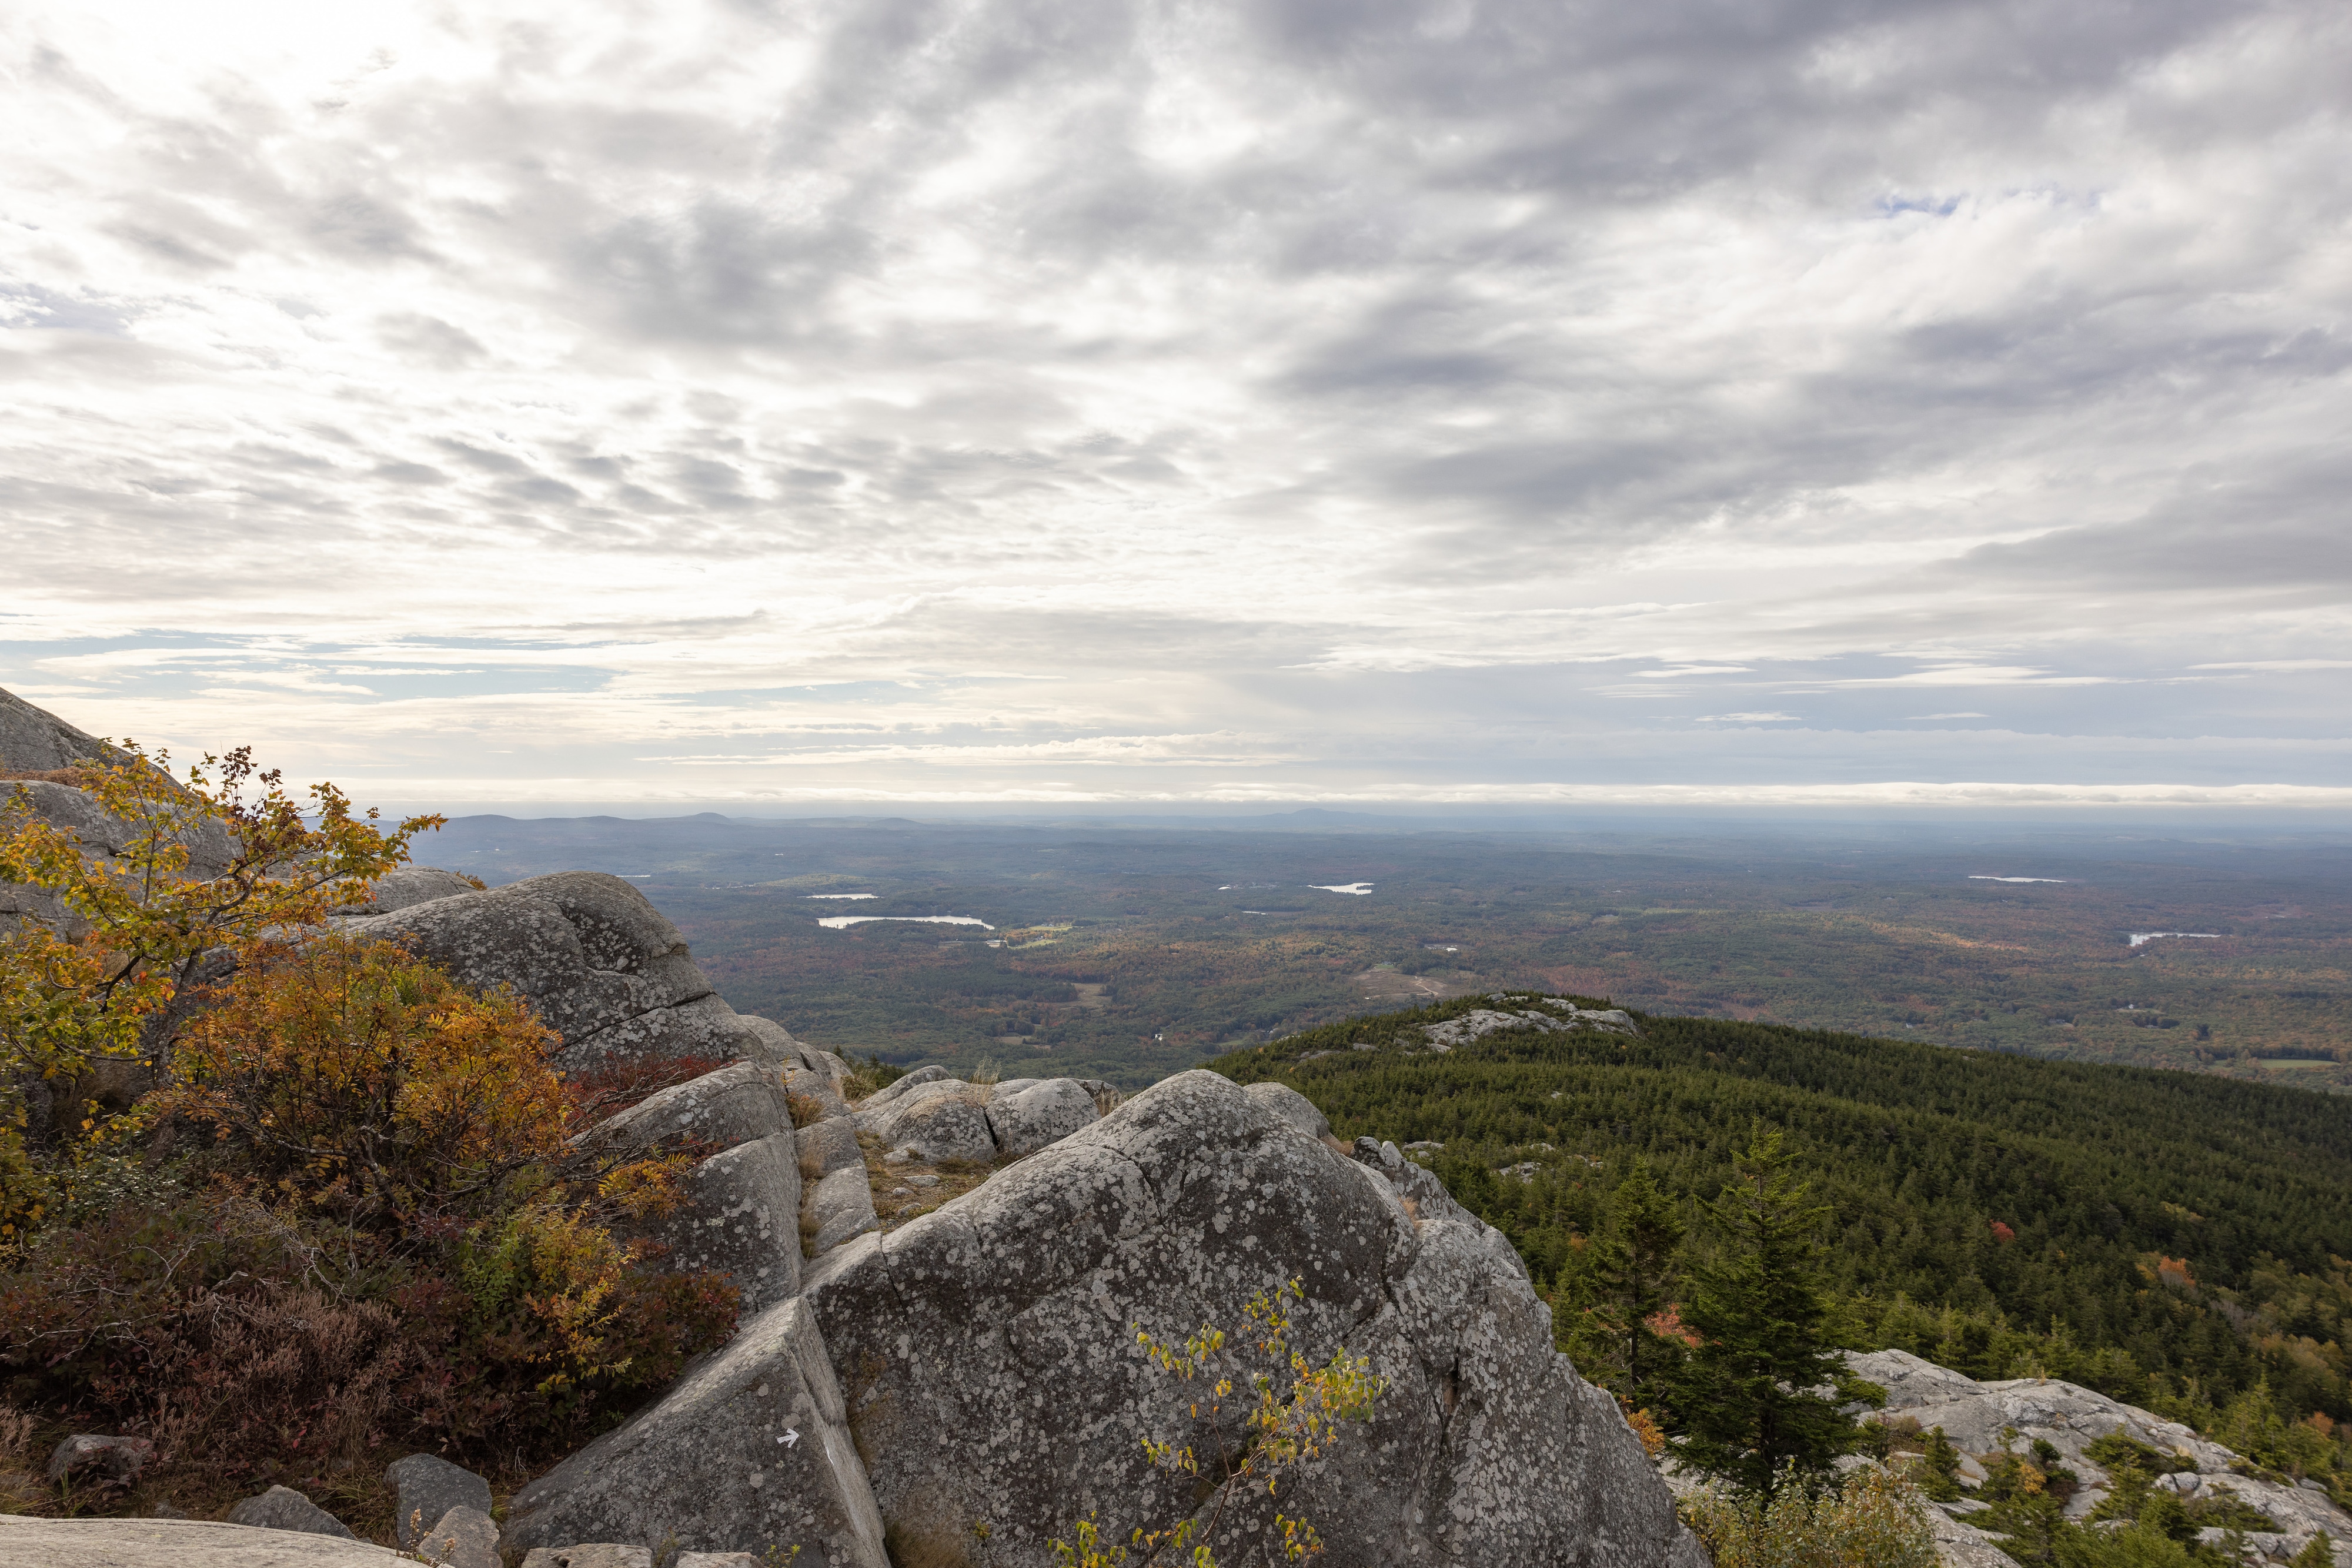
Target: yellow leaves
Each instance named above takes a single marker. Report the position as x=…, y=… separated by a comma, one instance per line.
x=1287, y=1425
x=1090, y=1551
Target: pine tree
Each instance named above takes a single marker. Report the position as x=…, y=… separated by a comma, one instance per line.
x=1749, y=1395
x=2317, y=1552
x=1629, y=1277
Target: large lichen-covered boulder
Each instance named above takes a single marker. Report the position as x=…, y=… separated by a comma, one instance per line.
x=943, y=1120
x=749, y=1452
x=1028, y=1119
x=605, y=968
x=997, y=1390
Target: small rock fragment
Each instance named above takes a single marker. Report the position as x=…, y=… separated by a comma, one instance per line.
x=93, y=1457
x=465, y=1538
x=283, y=1507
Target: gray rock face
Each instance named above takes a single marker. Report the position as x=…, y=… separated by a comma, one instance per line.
x=427, y=1486
x=1292, y=1107
x=736, y=1104
x=461, y=1538
x=1974, y=1414
x=178, y=1544
x=994, y=1376
x=34, y=740
x=740, y=1217
x=601, y=964
x=1045, y=1113
x=839, y=1208
x=283, y=1507
x=751, y=1450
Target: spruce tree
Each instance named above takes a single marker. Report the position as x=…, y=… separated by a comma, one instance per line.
x=1629, y=1277
x=1748, y=1397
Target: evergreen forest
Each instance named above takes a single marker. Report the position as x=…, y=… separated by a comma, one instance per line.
x=2173, y=1239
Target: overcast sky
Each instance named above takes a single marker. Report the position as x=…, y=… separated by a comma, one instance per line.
x=777, y=404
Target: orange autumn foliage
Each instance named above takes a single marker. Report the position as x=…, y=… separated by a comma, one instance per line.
x=371, y=1086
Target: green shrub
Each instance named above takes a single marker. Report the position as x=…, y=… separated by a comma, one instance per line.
x=1874, y=1520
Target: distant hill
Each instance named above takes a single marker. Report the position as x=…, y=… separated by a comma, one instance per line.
x=2197, y=1225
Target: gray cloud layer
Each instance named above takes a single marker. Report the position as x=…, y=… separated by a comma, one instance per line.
x=947, y=400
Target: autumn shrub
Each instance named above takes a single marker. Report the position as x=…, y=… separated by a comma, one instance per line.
x=357, y=1081
x=352, y=1215
x=1872, y=1519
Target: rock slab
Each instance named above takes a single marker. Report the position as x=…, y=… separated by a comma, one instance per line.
x=178, y=1544
x=751, y=1450
x=997, y=1391
x=740, y=1217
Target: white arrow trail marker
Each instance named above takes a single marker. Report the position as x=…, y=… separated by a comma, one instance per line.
x=792, y=1435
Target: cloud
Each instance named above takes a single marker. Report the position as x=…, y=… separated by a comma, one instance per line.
x=1442, y=387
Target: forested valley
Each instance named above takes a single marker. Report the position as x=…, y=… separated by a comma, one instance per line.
x=2175, y=1240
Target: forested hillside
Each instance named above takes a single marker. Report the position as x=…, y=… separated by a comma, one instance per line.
x=2173, y=1239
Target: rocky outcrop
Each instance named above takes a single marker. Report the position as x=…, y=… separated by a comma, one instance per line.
x=599, y=962
x=751, y=1451
x=1564, y=1017
x=929, y=1117
x=997, y=1391
x=178, y=1544
x=1977, y=1418
x=34, y=740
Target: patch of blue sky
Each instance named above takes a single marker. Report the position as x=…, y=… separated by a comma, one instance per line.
x=1934, y=206
x=181, y=664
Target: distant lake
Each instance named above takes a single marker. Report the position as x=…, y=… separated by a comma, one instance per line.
x=841, y=895
x=840, y=922
x=1359, y=888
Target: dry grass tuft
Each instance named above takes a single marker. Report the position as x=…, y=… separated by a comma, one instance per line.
x=921, y=1546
